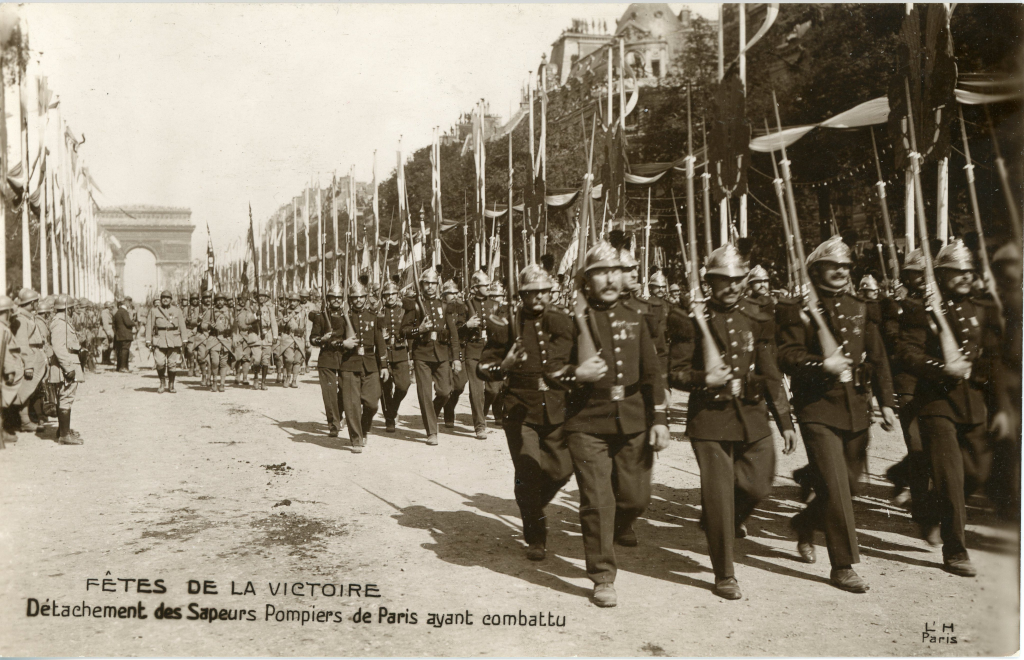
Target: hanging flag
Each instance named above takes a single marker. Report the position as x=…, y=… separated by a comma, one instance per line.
x=250, y=274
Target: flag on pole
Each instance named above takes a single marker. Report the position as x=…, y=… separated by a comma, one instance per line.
x=250, y=274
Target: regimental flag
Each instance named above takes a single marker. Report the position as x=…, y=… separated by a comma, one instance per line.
x=208, y=283
x=571, y=252
x=250, y=274
x=435, y=198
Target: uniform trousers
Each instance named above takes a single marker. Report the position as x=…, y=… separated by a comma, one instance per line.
x=542, y=466
x=837, y=460
x=360, y=393
x=330, y=388
x=66, y=394
x=734, y=478
x=961, y=461
x=914, y=470
x=440, y=374
x=613, y=472
x=459, y=381
x=121, y=350
x=261, y=355
x=166, y=357
x=220, y=355
x=394, y=389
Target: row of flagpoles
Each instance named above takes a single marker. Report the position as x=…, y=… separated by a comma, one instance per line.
x=46, y=182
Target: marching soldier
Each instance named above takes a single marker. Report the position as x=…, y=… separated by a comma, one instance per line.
x=727, y=414
x=951, y=395
x=308, y=299
x=458, y=311
x=435, y=339
x=651, y=310
x=533, y=356
x=66, y=346
x=107, y=324
x=1004, y=482
x=831, y=395
x=218, y=323
x=362, y=367
x=327, y=331
x=192, y=315
x=35, y=354
x=760, y=288
x=259, y=332
x=394, y=389
x=621, y=418
x=11, y=365
x=199, y=339
x=482, y=392
x=675, y=294
x=293, y=341
x=165, y=336
x=913, y=471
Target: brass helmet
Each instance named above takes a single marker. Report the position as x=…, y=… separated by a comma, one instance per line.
x=727, y=261
x=834, y=250
x=758, y=274
x=627, y=259
x=450, y=287
x=63, y=302
x=163, y=294
x=869, y=283
x=534, y=278
x=675, y=289
x=602, y=255
x=27, y=295
x=429, y=275
x=658, y=279
x=389, y=289
x=336, y=292
x=294, y=295
x=496, y=288
x=45, y=305
x=955, y=256
x=914, y=260
x=479, y=278
x=357, y=290
x=6, y=304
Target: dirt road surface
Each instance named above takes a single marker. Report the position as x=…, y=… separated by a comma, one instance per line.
x=245, y=486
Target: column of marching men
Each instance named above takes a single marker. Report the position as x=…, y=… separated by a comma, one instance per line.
x=579, y=375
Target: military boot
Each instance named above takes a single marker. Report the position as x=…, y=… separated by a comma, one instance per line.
x=170, y=379
x=27, y=425
x=295, y=377
x=163, y=382
x=65, y=435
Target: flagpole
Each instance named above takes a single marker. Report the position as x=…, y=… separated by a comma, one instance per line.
x=511, y=245
x=334, y=223
x=543, y=152
x=531, y=257
x=305, y=222
x=26, y=245
x=376, y=225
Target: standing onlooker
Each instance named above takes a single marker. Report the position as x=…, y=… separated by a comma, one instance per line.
x=123, y=331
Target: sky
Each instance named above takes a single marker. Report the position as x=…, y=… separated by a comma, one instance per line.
x=214, y=106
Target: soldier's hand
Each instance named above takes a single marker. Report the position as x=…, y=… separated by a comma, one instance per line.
x=591, y=370
x=384, y=375
x=473, y=322
x=788, y=442
x=71, y=375
x=717, y=377
x=889, y=421
x=457, y=366
x=958, y=369
x=149, y=345
x=658, y=437
x=515, y=355
x=426, y=326
x=837, y=363
x=349, y=344
x=1002, y=426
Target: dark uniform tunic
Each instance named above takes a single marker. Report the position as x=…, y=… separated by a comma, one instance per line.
x=458, y=311
x=329, y=364
x=728, y=427
x=432, y=353
x=359, y=369
x=953, y=413
x=393, y=390
x=607, y=433
x=834, y=416
x=534, y=407
x=482, y=393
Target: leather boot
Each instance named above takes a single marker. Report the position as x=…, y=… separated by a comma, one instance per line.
x=163, y=382
x=295, y=377
x=64, y=434
x=263, y=377
x=27, y=425
x=170, y=379
x=220, y=387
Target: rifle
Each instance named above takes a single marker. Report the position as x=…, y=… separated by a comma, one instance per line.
x=256, y=276
x=894, y=263
x=933, y=297
x=829, y=345
x=586, y=348
x=793, y=271
x=712, y=356
x=986, y=268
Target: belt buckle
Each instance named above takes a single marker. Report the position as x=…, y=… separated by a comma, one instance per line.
x=433, y=335
x=541, y=385
x=618, y=392
x=361, y=351
x=483, y=335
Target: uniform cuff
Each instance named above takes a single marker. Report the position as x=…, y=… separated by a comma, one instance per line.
x=660, y=418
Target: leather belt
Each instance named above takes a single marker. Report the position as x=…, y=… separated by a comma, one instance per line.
x=615, y=393
x=524, y=382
